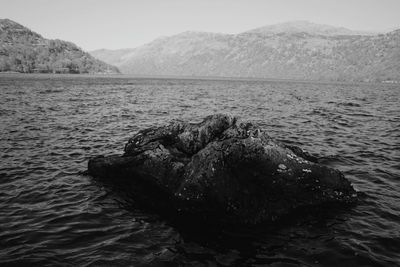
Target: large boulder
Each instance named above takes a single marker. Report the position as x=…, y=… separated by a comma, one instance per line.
x=221, y=169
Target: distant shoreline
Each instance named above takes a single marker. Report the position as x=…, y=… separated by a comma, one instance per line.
x=170, y=77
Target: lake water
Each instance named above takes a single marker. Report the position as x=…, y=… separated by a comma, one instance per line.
x=51, y=214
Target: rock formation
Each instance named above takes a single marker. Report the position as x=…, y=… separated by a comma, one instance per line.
x=221, y=169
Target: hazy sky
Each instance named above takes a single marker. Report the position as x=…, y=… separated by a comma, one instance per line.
x=93, y=24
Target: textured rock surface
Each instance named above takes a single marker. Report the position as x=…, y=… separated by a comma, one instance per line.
x=222, y=169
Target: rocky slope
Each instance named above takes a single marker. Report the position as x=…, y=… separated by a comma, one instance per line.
x=22, y=50
x=299, y=50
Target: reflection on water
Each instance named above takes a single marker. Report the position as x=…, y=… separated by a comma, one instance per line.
x=50, y=214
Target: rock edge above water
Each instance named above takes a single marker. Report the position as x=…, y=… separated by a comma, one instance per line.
x=222, y=169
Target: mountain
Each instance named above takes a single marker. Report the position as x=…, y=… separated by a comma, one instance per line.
x=296, y=50
x=112, y=57
x=22, y=50
x=307, y=27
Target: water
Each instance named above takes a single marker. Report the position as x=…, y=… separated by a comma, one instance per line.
x=51, y=214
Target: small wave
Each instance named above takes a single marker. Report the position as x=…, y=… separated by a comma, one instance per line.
x=51, y=91
x=348, y=104
x=52, y=214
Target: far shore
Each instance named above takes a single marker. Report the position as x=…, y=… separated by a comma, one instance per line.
x=172, y=77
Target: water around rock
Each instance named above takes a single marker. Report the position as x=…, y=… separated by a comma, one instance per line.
x=51, y=215
x=222, y=169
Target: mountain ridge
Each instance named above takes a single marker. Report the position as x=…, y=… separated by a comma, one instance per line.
x=308, y=27
x=296, y=54
x=22, y=50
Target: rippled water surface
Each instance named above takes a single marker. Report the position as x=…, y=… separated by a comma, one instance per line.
x=51, y=214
